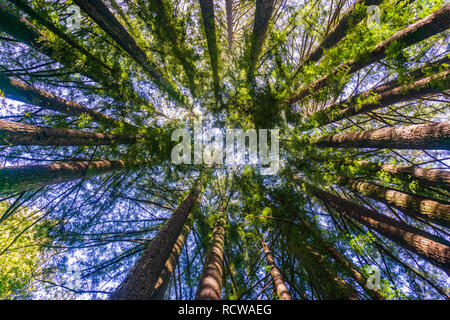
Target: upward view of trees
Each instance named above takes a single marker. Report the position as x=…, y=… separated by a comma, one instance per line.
x=92, y=205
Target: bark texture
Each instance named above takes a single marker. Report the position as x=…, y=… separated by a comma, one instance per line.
x=15, y=179
x=413, y=205
x=163, y=281
x=16, y=133
x=210, y=284
x=433, y=136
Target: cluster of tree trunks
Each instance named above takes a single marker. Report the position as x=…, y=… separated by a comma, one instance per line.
x=100, y=13
x=148, y=279
x=433, y=24
x=431, y=248
x=414, y=205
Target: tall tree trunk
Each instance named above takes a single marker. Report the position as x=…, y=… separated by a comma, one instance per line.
x=413, y=205
x=280, y=286
x=230, y=25
x=386, y=95
x=433, y=136
x=427, y=177
x=263, y=13
x=15, y=179
x=20, y=91
x=207, y=9
x=16, y=133
x=433, y=24
x=328, y=283
x=210, y=284
x=164, y=278
x=100, y=13
x=149, y=273
x=431, y=248
x=350, y=18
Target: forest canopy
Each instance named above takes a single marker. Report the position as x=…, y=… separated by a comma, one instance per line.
x=347, y=101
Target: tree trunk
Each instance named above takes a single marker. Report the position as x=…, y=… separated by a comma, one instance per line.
x=16, y=133
x=164, y=278
x=433, y=24
x=230, y=28
x=100, y=13
x=433, y=136
x=427, y=177
x=147, y=279
x=210, y=284
x=20, y=91
x=280, y=286
x=15, y=179
x=431, y=248
x=263, y=13
x=207, y=9
x=413, y=205
x=350, y=18
x=386, y=95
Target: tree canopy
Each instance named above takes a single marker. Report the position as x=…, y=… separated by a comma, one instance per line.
x=93, y=205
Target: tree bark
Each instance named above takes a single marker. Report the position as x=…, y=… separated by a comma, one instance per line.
x=23, y=178
x=263, y=13
x=164, y=278
x=412, y=205
x=280, y=286
x=385, y=95
x=20, y=91
x=427, y=177
x=100, y=13
x=433, y=24
x=159, y=258
x=433, y=136
x=230, y=25
x=210, y=284
x=207, y=9
x=429, y=247
x=16, y=133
